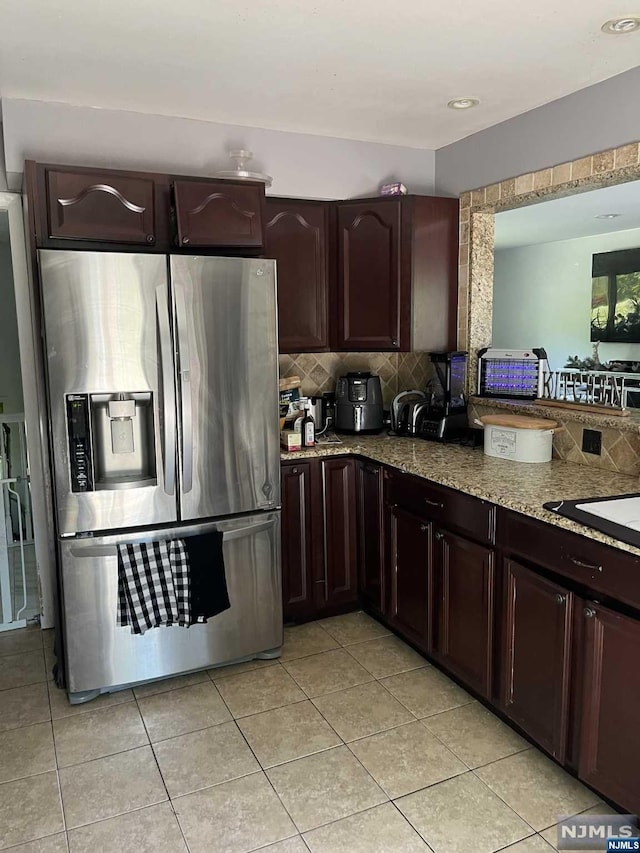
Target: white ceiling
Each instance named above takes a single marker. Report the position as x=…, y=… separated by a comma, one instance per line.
x=359, y=69
x=570, y=217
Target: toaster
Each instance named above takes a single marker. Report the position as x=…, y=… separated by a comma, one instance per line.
x=406, y=410
x=358, y=406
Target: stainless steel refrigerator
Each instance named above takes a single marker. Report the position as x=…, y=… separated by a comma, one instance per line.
x=162, y=386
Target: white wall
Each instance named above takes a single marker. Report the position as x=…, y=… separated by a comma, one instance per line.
x=10, y=376
x=301, y=164
x=3, y=171
x=593, y=119
x=542, y=297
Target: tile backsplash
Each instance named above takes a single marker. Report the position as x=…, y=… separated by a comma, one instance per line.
x=620, y=447
x=319, y=372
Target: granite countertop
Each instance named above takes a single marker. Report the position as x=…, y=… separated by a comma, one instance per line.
x=520, y=486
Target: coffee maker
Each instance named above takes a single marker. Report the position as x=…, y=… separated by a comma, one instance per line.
x=443, y=415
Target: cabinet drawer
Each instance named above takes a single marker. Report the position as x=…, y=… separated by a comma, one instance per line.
x=469, y=515
x=598, y=567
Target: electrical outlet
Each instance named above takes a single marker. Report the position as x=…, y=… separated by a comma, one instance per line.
x=592, y=441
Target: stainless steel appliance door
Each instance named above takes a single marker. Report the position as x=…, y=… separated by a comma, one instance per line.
x=101, y=654
x=107, y=327
x=225, y=319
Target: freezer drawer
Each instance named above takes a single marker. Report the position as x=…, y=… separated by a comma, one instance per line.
x=101, y=655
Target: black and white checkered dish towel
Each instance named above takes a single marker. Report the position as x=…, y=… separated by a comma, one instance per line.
x=153, y=585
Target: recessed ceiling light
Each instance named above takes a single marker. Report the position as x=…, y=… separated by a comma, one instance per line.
x=621, y=26
x=608, y=215
x=463, y=103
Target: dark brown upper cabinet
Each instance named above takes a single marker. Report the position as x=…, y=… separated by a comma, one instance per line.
x=96, y=207
x=397, y=273
x=219, y=214
x=297, y=236
x=369, y=275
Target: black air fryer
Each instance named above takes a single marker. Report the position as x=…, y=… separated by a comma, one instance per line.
x=358, y=403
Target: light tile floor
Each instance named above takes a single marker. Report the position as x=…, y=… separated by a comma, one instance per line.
x=351, y=743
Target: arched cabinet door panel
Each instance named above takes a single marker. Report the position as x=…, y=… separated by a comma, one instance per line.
x=100, y=206
x=296, y=235
x=369, y=275
x=219, y=214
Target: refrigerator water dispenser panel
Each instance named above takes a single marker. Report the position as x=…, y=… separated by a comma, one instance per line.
x=111, y=441
x=80, y=461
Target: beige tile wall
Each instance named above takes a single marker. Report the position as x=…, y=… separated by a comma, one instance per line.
x=620, y=448
x=319, y=372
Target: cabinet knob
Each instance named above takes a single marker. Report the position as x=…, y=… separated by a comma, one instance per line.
x=395, y=342
x=424, y=527
x=151, y=238
x=589, y=612
x=185, y=240
x=439, y=536
x=294, y=471
x=560, y=598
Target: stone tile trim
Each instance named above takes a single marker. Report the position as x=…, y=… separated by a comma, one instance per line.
x=620, y=436
x=477, y=209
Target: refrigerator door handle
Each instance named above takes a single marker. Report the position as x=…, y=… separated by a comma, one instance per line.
x=184, y=374
x=227, y=536
x=168, y=414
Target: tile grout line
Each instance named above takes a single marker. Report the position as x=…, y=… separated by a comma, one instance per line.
x=420, y=720
x=489, y=788
x=164, y=784
x=55, y=756
x=417, y=720
x=328, y=749
x=374, y=679
x=344, y=743
x=414, y=828
x=262, y=769
x=478, y=766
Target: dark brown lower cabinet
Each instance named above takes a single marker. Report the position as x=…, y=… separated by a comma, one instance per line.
x=410, y=570
x=463, y=596
x=569, y=668
x=297, y=550
x=537, y=656
x=610, y=746
x=340, y=570
x=319, y=537
x=371, y=535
